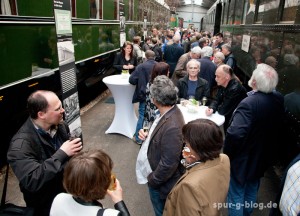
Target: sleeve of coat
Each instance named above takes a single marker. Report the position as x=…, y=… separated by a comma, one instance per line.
x=179, y=70
x=31, y=172
x=117, y=62
x=134, y=77
x=185, y=200
x=230, y=101
x=171, y=146
x=237, y=132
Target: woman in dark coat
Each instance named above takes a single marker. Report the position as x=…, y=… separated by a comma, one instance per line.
x=125, y=60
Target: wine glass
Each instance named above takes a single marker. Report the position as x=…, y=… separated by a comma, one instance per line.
x=204, y=100
x=146, y=127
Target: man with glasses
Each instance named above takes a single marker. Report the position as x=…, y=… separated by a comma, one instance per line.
x=40, y=149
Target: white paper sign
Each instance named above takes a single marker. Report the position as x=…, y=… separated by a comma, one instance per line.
x=122, y=38
x=246, y=43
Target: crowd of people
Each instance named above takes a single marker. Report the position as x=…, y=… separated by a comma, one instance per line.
x=189, y=168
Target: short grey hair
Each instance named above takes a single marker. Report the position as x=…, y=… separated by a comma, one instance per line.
x=196, y=50
x=227, y=46
x=176, y=38
x=193, y=61
x=220, y=55
x=266, y=78
x=164, y=91
x=207, y=51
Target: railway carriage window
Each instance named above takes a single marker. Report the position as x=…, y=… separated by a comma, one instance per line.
x=8, y=7
x=231, y=14
x=239, y=7
x=116, y=9
x=131, y=7
x=290, y=10
x=225, y=17
x=246, y=11
x=96, y=9
x=268, y=11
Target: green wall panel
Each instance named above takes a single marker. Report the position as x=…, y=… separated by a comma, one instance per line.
x=108, y=9
x=43, y=8
x=23, y=46
x=83, y=9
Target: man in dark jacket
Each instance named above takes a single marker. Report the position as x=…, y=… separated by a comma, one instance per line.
x=172, y=53
x=229, y=57
x=229, y=95
x=208, y=68
x=158, y=162
x=39, y=151
x=140, y=77
x=253, y=138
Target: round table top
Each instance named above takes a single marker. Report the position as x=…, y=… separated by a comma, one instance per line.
x=198, y=112
x=119, y=79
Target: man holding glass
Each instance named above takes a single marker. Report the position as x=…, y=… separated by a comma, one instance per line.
x=158, y=162
x=40, y=149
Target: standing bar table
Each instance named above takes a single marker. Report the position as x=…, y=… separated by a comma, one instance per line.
x=200, y=114
x=125, y=119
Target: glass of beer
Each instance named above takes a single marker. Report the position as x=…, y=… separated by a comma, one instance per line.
x=113, y=184
x=146, y=127
x=204, y=100
x=125, y=73
x=186, y=152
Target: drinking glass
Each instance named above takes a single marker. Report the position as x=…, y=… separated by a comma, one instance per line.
x=146, y=127
x=204, y=100
x=112, y=185
x=186, y=152
x=72, y=135
x=125, y=73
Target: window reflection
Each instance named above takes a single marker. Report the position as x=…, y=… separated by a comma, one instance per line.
x=267, y=11
x=290, y=10
x=96, y=9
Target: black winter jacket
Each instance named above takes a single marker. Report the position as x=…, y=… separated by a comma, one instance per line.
x=37, y=165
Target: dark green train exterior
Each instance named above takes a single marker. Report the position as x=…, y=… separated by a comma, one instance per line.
x=28, y=53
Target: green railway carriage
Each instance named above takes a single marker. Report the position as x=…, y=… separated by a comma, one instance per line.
x=29, y=59
x=265, y=31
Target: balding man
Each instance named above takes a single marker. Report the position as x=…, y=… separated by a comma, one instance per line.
x=229, y=95
x=172, y=53
x=39, y=151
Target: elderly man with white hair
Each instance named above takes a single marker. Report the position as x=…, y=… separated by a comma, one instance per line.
x=180, y=70
x=172, y=53
x=253, y=138
x=208, y=68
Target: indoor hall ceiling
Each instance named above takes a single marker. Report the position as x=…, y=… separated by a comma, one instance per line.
x=179, y=3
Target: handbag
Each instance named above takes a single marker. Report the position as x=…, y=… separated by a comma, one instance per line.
x=9, y=209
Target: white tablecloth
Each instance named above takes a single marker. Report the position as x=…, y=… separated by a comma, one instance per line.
x=200, y=114
x=125, y=120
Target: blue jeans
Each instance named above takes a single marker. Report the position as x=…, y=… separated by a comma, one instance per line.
x=157, y=203
x=241, y=198
x=140, y=121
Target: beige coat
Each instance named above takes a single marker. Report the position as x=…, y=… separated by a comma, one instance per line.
x=180, y=69
x=200, y=189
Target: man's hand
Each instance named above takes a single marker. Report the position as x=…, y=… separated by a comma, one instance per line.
x=72, y=147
